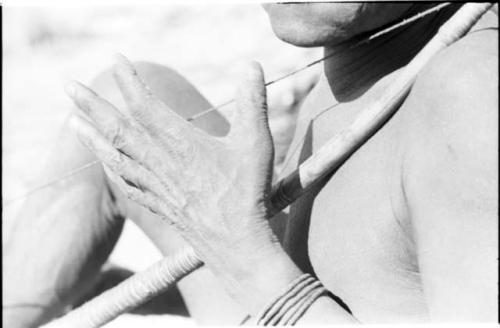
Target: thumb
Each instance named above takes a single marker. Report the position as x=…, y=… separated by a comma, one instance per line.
x=250, y=119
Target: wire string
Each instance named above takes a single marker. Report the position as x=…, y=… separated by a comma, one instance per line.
x=370, y=38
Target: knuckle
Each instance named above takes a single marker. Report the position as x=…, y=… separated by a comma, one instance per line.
x=169, y=220
x=142, y=106
x=131, y=194
x=116, y=135
x=89, y=141
x=147, y=156
x=84, y=102
x=116, y=162
x=89, y=101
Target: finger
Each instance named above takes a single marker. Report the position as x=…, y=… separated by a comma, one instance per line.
x=95, y=107
x=251, y=119
x=135, y=174
x=112, y=124
x=110, y=121
x=143, y=105
x=134, y=90
x=148, y=200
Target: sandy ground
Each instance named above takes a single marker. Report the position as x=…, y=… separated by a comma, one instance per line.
x=44, y=47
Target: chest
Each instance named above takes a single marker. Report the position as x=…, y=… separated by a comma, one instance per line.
x=352, y=230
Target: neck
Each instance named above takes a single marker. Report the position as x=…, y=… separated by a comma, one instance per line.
x=352, y=70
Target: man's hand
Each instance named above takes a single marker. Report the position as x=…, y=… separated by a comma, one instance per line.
x=213, y=190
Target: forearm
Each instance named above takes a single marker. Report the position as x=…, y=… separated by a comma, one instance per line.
x=267, y=279
x=207, y=301
x=323, y=310
x=264, y=271
x=204, y=295
x=210, y=303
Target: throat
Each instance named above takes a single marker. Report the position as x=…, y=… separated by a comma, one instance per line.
x=351, y=70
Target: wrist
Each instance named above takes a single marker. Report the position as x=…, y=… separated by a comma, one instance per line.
x=267, y=274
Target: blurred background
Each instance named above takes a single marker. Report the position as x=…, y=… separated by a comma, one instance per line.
x=45, y=47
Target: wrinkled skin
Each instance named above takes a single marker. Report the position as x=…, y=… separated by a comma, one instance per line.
x=212, y=190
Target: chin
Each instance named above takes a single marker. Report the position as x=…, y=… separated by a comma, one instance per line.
x=307, y=36
x=322, y=24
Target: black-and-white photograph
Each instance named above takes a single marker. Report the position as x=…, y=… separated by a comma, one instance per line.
x=175, y=164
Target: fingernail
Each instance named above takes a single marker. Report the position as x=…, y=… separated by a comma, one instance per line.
x=70, y=89
x=121, y=59
x=253, y=70
x=123, y=63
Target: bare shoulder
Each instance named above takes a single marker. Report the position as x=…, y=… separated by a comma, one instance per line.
x=455, y=97
x=451, y=115
x=450, y=178
x=461, y=82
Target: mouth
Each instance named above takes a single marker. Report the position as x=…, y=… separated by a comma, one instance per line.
x=299, y=2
